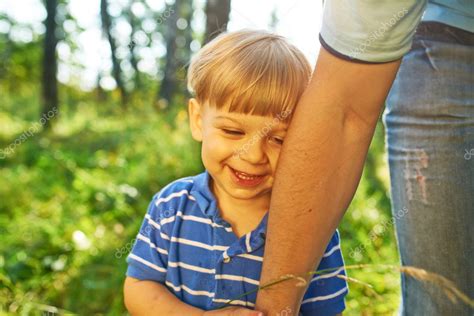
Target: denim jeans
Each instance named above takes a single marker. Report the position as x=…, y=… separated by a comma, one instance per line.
x=429, y=120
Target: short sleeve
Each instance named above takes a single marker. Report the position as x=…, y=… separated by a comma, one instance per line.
x=370, y=30
x=149, y=255
x=326, y=292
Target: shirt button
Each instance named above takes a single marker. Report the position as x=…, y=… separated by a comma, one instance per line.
x=226, y=259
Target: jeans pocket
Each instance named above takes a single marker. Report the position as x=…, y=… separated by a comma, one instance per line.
x=441, y=32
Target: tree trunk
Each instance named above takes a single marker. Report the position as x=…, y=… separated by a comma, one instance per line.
x=100, y=93
x=134, y=24
x=217, y=17
x=116, y=70
x=184, y=54
x=168, y=84
x=50, y=83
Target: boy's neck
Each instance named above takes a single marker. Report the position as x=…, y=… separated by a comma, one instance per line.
x=243, y=215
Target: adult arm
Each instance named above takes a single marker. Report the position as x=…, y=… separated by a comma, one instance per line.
x=319, y=169
x=327, y=142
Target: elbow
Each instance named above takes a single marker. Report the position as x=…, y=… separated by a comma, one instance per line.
x=127, y=294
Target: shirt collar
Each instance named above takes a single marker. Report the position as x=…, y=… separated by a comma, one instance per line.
x=207, y=202
x=205, y=199
x=250, y=241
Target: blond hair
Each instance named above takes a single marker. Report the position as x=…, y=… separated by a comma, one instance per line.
x=250, y=72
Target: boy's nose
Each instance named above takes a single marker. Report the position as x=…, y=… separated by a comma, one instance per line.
x=252, y=151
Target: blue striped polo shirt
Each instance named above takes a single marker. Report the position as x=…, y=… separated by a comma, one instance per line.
x=184, y=244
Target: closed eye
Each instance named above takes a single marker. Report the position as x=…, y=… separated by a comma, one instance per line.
x=278, y=140
x=232, y=132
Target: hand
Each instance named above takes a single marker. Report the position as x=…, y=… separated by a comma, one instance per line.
x=233, y=311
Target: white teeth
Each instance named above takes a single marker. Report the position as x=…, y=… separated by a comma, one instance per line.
x=244, y=176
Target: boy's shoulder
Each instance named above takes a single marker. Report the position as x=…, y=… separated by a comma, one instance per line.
x=176, y=186
x=178, y=191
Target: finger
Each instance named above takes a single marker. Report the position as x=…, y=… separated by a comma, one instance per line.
x=245, y=312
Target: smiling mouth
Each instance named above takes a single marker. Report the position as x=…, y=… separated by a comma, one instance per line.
x=245, y=179
x=246, y=176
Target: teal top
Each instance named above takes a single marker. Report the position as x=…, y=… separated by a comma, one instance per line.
x=382, y=30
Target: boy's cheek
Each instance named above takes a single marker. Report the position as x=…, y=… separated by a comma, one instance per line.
x=218, y=148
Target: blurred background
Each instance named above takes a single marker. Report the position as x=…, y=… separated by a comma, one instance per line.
x=93, y=122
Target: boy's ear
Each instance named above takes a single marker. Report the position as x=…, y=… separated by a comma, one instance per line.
x=195, y=119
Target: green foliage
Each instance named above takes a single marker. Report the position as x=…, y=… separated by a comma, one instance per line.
x=367, y=236
x=72, y=200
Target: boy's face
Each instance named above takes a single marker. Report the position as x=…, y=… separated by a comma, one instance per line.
x=239, y=151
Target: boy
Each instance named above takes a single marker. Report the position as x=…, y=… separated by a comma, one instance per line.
x=201, y=243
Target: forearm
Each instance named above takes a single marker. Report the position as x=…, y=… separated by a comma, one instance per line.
x=318, y=171
x=152, y=298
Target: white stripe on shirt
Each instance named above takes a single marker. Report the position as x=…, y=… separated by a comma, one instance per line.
x=247, y=242
x=336, y=247
x=325, y=297
x=258, y=258
x=236, y=302
x=251, y=257
x=152, y=245
x=327, y=275
x=196, y=243
x=190, y=267
x=152, y=222
x=202, y=220
x=236, y=278
x=187, y=289
x=173, y=195
x=185, y=217
x=148, y=264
